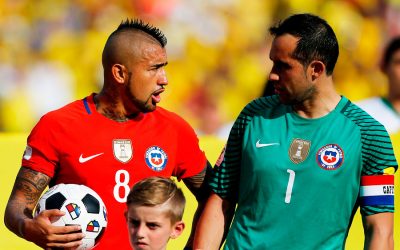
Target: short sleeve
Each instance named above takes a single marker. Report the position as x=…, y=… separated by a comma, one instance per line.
x=377, y=176
x=40, y=154
x=191, y=160
x=225, y=177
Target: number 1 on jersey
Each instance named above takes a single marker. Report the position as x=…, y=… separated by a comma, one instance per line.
x=289, y=188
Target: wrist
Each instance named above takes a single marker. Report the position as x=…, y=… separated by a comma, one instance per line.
x=21, y=228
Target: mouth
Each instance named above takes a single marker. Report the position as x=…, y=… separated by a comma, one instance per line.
x=278, y=90
x=140, y=245
x=156, y=96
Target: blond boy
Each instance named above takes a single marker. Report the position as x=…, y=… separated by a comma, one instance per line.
x=154, y=213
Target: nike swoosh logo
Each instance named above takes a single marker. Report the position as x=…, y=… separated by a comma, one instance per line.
x=260, y=145
x=85, y=159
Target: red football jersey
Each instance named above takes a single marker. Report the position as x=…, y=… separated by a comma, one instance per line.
x=76, y=144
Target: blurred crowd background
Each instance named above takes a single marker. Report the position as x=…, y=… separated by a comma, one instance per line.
x=50, y=52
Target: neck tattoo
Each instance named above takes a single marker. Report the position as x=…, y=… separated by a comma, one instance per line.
x=109, y=113
x=113, y=116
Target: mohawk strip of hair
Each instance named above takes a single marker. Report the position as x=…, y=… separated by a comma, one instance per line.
x=145, y=27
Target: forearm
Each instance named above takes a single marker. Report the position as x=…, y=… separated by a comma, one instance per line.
x=213, y=224
x=196, y=218
x=378, y=231
x=14, y=217
x=26, y=191
x=199, y=188
x=379, y=240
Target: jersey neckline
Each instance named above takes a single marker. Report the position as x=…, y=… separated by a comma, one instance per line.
x=343, y=101
x=90, y=108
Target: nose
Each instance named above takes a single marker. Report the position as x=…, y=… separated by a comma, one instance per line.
x=140, y=231
x=162, y=79
x=273, y=77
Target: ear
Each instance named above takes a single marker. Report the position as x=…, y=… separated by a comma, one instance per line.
x=177, y=229
x=316, y=68
x=118, y=71
x=383, y=68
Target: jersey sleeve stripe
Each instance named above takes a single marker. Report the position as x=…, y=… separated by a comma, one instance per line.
x=377, y=190
x=86, y=104
x=377, y=180
x=377, y=200
x=370, y=210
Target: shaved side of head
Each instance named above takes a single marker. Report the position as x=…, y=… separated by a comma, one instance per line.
x=125, y=41
x=125, y=45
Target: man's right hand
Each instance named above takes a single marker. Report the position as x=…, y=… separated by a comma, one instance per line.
x=28, y=187
x=40, y=231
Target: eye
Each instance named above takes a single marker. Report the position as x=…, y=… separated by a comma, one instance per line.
x=281, y=65
x=153, y=226
x=158, y=66
x=134, y=223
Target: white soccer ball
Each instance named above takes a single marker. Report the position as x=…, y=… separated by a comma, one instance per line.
x=82, y=206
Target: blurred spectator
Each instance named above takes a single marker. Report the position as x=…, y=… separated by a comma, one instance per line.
x=214, y=45
x=386, y=109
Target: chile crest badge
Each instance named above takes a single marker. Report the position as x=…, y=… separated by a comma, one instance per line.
x=330, y=157
x=156, y=158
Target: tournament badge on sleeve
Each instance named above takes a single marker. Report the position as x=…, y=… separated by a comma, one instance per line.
x=122, y=150
x=28, y=153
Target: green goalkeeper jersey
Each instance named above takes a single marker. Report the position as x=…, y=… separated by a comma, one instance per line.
x=298, y=182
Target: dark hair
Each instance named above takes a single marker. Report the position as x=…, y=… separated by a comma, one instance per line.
x=132, y=24
x=391, y=48
x=317, y=40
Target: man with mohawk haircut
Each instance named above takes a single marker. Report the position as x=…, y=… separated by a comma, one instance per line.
x=108, y=142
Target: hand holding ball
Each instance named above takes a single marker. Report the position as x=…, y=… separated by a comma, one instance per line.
x=82, y=206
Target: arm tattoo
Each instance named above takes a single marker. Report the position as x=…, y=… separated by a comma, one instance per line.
x=37, y=179
x=198, y=184
x=31, y=184
x=27, y=189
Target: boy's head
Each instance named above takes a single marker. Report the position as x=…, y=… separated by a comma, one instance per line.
x=154, y=213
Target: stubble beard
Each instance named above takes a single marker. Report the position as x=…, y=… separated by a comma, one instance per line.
x=301, y=100
x=142, y=106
